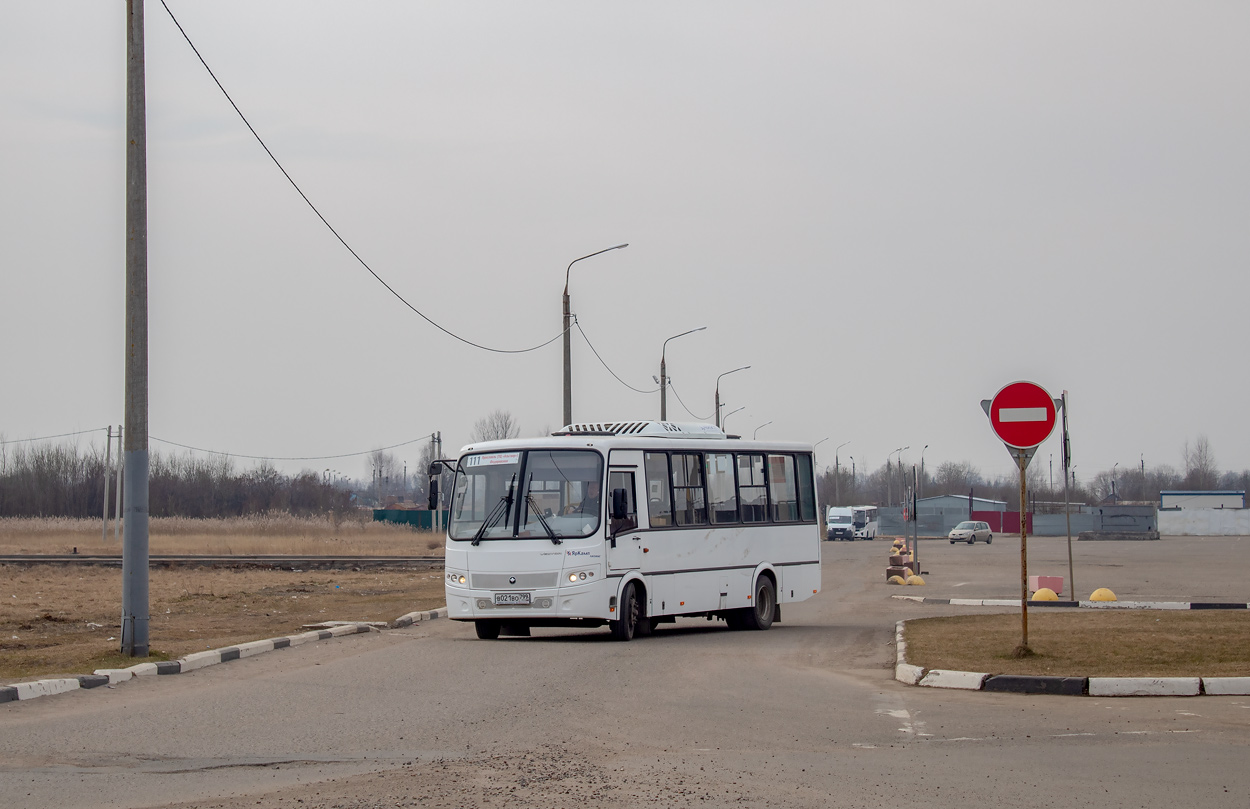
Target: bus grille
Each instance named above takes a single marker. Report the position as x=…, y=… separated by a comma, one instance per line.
x=499, y=581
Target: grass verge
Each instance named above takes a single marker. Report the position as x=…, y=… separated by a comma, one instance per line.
x=1088, y=643
x=334, y=535
x=63, y=620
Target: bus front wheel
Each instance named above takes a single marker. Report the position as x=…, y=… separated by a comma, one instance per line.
x=629, y=610
x=487, y=630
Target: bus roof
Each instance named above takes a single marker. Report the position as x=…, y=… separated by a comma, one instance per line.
x=650, y=429
x=639, y=434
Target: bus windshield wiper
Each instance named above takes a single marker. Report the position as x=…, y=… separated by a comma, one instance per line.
x=501, y=508
x=555, y=539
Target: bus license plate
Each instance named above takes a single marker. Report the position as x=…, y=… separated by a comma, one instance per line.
x=512, y=598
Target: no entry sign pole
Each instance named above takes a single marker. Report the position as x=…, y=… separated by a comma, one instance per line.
x=1023, y=416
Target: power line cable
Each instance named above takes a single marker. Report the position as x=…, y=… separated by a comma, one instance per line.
x=326, y=222
x=49, y=437
x=605, y=365
x=683, y=404
x=294, y=458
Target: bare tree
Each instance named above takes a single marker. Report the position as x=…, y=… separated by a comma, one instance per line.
x=498, y=425
x=384, y=472
x=1201, y=471
x=955, y=478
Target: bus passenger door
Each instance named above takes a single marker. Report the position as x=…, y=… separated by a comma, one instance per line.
x=623, y=532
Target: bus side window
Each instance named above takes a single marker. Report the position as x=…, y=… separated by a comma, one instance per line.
x=625, y=481
x=752, y=492
x=781, y=488
x=807, y=490
x=720, y=487
x=688, y=495
x=659, y=506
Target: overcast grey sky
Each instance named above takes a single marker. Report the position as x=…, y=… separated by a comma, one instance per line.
x=889, y=210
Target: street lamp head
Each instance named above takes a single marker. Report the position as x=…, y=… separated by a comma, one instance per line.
x=589, y=255
x=664, y=347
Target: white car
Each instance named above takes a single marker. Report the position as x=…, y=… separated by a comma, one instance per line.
x=970, y=531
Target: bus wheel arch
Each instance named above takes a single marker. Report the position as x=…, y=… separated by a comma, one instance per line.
x=632, y=609
x=764, y=604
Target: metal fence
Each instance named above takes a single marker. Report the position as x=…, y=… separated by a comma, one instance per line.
x=937, y=522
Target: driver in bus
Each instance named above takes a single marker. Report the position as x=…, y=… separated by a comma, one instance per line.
x=590, y=503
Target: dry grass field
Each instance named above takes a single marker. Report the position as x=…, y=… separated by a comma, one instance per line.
x=1088, y=643
x=62, y=619
x=266, y=534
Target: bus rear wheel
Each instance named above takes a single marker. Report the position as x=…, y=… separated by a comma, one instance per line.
x=487, y=630
x=630, y=611
x=759, y=616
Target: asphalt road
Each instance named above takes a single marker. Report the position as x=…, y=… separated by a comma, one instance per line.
x=806, y=714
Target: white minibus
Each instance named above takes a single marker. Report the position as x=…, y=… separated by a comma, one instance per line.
x=630, y=524
x=865, y=522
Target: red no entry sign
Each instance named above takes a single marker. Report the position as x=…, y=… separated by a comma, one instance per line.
x=1022, y=414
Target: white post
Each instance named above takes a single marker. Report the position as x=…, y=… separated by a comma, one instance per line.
x=108, y=461
x=117, y=510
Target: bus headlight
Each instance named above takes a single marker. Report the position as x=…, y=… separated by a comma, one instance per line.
x=456, y=578
x=580, y=576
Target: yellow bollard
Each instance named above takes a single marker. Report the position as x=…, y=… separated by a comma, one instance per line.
x=1102, y=594
x=1045, y=594
x=915, y=581
x=895, y=580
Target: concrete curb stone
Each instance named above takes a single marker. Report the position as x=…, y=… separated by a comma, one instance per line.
x=1021, y=684
x=198, y=660
x=909, y=674
x=1145, y=686
x=1226, y=686
x=1093, y=605
x=963, y=680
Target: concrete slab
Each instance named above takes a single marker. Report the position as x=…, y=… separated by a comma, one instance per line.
x=964, y=680
x=907, y=673
x=1226, y=686
x=1144, y=686
x=46, y=688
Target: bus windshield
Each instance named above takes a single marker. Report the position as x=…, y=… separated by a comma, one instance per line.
x=546, y=494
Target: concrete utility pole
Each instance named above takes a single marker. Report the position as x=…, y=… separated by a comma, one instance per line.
x=135, y=527
x=568, y=327
x=837, y=472
x=743, y=368
x=664, y=372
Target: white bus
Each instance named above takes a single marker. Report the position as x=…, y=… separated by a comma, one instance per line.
x=864, y=520
x=693, y=524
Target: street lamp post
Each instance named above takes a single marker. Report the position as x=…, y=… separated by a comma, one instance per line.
x=920, y=483
x=889, y=474
x=743, y=368
x=664, y=373
x=568, y=347
x=852, y=457
x=757, y=429
x=837, y=472
x=817, y=444
x=1113, y=480
x=730, y=413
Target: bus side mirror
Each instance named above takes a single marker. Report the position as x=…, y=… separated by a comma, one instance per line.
x=620, y=504
x=433, y=492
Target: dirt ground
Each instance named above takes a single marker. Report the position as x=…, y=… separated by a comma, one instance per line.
x=64, y=620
